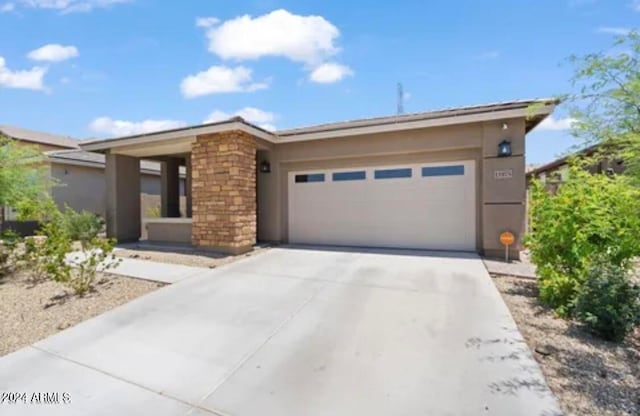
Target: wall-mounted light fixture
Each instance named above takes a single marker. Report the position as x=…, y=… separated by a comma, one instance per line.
x=265, y=166
x=504, y=148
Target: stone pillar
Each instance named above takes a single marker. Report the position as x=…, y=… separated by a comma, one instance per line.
x=224, y=191
x=187, y=187
x=170, y=188
x=123, y=197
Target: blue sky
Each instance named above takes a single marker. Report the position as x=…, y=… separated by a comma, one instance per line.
x=98, y=68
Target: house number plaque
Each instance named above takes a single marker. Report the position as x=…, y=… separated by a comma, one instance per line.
x=503, y=174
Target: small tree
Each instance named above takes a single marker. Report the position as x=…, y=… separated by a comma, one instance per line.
x=606, y=107
x=23, y=177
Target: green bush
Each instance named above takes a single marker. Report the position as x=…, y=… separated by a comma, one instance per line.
x=589, y=216
x=45, y=255
x=81, y=226
x=96, y=256
x=9, y=241
x=608, y=302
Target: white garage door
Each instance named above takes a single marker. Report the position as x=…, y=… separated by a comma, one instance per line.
x=428, y=206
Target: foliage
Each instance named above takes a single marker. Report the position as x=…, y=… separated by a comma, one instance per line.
x=23, y=177
x=153, y=212
x=590, y=216
x=46, y=255
x=96, y=256
x=608, y=302
x=9, y=242
x=82, y=226
x=607, y=106
x=52, y=256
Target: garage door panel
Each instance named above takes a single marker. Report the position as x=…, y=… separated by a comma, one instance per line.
x=435, y=208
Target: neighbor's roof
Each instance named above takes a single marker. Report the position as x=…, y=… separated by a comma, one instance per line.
x=534, y=111
x=32, y=136
x=97, y=160
x=555, y=164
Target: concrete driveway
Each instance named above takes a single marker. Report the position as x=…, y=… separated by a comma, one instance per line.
x=296, y=331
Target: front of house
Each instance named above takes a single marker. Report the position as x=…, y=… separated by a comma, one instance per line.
x=429, y=180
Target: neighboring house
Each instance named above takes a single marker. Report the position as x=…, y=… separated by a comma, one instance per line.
x=554, y=173
x=432, y=180
x=80, y=175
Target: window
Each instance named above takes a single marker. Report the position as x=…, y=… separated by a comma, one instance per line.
x=311, y=177
x=453, y=170
x=393, y=173
x=349, y=176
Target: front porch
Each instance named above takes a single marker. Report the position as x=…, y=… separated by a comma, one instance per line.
x=220, y=188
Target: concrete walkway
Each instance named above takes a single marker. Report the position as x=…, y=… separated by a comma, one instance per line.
x=515, y=268
x=296, y=331
x=150, y=270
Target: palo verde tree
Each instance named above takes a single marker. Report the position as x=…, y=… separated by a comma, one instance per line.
x=23, y=178
x=606, y=107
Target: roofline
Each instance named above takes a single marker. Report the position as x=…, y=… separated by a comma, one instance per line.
x=403, y=118
x=562, y=161
x=462, y=115
x=53, y=158
x=236, y=123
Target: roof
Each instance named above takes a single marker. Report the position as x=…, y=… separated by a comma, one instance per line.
x=82, y=158
x=425, y=115
x=534, y=110
x=33, y=136
x=554, y=165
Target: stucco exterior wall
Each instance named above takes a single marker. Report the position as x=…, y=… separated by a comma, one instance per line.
x=499, y=202
x=85, y=188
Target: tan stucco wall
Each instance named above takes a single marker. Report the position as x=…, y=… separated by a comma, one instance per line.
x=85, y=188
x=500, y=203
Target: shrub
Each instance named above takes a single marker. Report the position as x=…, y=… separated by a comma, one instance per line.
x=9, y=241
x=96, y=256
x=589, y=216
x=608, y=302
x=45, y=255
x=81, y=226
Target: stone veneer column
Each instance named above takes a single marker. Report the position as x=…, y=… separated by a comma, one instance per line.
x=223, y=170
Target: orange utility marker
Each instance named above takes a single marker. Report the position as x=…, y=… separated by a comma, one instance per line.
x=507, y=238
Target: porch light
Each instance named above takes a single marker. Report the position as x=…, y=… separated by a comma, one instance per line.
x=265, y=166
x=504, y=148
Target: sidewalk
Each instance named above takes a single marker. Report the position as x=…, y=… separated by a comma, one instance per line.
x=150, y=270
x=515, y=268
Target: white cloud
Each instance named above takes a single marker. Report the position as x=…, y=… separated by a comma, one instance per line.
x=31, y=79
x=253, y=115
x=106, y=125
x=218, y=80
x=619, y=31
x=306, y=39
x=7, y=7
x=53, y=53
x=206, y=22
x=635, y=4
x=552, y=123
x=330, y=72
x=71, y=6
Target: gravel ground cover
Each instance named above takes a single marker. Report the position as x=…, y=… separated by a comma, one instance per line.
x=32, y=311
x=186, y=256
x=589, y=376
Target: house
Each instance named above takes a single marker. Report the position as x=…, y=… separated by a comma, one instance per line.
x=555, y=172
x=451, y=179
x=79, y=175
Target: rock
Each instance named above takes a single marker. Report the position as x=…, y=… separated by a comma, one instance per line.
x=135, y=256
x=543, y=350
x=63, y=326
x=213, y=266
